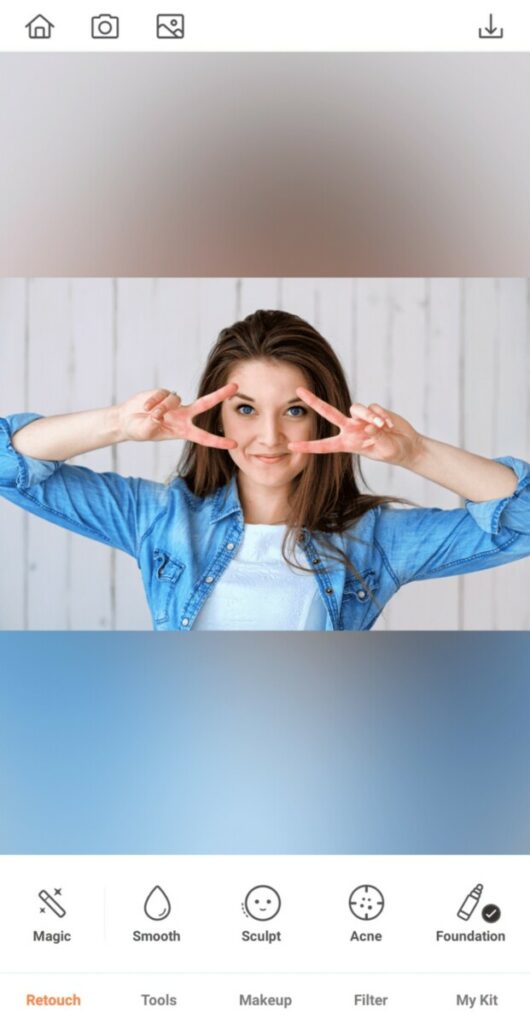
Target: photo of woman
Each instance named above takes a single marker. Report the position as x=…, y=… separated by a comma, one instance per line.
x=267, y=524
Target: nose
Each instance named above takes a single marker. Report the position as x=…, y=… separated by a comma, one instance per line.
x=270, y=435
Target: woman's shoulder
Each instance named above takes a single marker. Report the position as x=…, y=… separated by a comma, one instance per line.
x=178, y=487
x=395, y=516
x=179, y=490
x=380, y=520
x=375, y=515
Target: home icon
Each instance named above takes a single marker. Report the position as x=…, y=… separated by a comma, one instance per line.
x=39, y=27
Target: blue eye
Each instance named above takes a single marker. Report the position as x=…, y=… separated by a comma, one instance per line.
x=294, y=411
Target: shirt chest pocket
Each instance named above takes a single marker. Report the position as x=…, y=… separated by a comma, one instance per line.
x=166, y=572
x=358, y=595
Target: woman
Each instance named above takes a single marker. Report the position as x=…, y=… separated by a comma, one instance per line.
x=264, y=526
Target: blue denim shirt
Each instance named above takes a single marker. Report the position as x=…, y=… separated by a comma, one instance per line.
x=183, y=543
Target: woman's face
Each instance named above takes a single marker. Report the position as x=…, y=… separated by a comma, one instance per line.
x=263, y=417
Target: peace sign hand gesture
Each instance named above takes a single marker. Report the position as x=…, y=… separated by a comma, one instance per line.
x=160, y=416
x=369, y=430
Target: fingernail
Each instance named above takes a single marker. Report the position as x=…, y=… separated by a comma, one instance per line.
x=378, y=421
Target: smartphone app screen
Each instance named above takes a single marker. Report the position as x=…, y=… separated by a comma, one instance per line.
x=264, y=321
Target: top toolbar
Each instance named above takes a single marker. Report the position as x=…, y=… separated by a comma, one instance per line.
x=280, y=25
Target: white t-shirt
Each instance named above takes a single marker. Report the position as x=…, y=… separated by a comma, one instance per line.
x=259, y=590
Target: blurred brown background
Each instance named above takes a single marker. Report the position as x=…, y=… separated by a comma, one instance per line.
x=264, y=164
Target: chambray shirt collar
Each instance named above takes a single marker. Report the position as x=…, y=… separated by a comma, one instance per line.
x=225, y=502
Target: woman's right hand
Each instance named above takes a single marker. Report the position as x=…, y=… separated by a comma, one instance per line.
x=160, y=416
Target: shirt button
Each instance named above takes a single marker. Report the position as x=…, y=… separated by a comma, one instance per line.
x=329, y=590
x=316, y=561
x=229, y=547
x=362, y=594
x=185, y=622
x=209, y=579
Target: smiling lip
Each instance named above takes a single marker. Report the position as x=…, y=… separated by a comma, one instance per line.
x=270, y=458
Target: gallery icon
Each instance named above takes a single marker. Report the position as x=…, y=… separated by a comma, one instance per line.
x=39, y=27
x=51, y=902
x=157, y=905
x=105, y=26
x=262, y=903
x=366, y=902
x=170, y=26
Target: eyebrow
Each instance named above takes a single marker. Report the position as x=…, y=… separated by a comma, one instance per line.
x=247, y=398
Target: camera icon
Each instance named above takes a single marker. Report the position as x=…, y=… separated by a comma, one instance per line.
x=105, y=26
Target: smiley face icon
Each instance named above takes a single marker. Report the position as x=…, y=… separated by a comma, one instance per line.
x=262, y=903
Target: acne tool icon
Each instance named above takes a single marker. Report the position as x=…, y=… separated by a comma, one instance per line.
x=52, y=903
x=470, y=903
x=157, y=905
x=366, y=902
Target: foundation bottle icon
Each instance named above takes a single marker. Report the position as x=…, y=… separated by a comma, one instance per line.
x=470, y=903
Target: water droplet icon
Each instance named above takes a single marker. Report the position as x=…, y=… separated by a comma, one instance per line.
x=157, y=905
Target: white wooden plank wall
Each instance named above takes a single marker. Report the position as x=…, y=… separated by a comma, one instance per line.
x=450, y=355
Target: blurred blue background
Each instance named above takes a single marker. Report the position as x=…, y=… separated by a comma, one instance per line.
x=264, y=743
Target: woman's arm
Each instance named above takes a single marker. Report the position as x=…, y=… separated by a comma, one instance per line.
x=386, y=437
x=427, y=543
x=58, y=438
x=108, y=507
x=471, y=476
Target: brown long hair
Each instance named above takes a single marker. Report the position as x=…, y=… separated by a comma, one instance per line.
x=325, y=496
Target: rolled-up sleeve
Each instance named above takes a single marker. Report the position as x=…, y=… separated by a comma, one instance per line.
x=513, y=511
x=17, y=470
x=107, y=507
x=428, y=543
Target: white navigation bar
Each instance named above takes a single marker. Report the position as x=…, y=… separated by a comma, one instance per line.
x=278, y=25
x=214, y=938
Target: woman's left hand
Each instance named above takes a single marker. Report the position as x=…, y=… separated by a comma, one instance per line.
x=368, y=430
